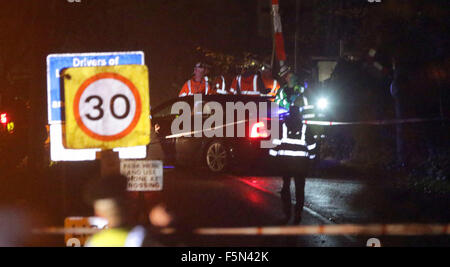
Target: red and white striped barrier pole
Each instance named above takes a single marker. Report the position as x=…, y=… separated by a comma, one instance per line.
x=278, y=33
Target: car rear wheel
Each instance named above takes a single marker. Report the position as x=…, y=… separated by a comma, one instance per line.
x=216, y=156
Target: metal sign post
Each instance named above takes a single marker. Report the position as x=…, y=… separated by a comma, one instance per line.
x=109, y=162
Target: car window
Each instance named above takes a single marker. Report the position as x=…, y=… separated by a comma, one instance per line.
x=198, y=107
x=203, y=108
x=165, y=109
x=162, y=111
x=207, y=109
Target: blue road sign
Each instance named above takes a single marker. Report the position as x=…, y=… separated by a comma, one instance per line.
x=57, y=62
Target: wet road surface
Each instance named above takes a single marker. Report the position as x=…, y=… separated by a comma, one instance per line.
x=229, y=201
x=198, y=199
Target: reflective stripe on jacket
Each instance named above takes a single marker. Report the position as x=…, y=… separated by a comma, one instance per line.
x=220, y=86
x=271, y=84
x=192, y=87
x=296, y=139
x=245, y=85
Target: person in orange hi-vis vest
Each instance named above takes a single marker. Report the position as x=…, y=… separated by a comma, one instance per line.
x=220, y=86
x=249, y=82
x=198, y=84
x=269, y=81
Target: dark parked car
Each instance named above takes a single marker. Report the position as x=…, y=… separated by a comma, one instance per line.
x=219, y=154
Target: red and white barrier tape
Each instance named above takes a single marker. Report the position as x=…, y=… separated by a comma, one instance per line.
x=64, y=231
x=381, y=122
x=342, y=229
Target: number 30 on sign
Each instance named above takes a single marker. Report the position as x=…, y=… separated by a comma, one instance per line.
x=107, y=107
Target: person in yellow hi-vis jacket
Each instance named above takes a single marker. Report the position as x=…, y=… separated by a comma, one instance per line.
x=108, y=197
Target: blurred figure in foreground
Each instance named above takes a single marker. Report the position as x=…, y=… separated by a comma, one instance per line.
x=14, y=227
x=108, y=197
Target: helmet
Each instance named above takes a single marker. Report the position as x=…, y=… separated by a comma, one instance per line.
x=250, y=65
x=265, y=66
x=284, y=70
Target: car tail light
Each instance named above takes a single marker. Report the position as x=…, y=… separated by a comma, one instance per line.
x=3, y=118
x=259, y=130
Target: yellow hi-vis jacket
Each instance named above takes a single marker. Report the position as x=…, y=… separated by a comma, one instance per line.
x=118, y=237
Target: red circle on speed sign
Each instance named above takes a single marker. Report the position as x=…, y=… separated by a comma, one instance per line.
x=130, y=123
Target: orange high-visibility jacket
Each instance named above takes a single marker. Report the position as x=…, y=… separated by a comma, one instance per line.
x=271, y=84
x=247, y=85
x=192, y=87
x=219, y=85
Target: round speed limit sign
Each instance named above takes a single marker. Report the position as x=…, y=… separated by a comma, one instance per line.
x=107, y=114
x=110, y=108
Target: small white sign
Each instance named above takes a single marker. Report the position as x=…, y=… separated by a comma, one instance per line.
x=143, y=175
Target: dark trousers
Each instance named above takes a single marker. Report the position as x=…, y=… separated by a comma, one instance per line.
x=299, y=181
x=169, y=150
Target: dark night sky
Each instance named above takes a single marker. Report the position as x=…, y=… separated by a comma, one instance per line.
x=168, y=31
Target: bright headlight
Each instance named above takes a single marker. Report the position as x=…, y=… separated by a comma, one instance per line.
x=322, y=103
